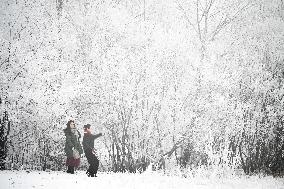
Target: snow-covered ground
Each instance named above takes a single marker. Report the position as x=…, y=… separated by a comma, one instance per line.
x=149, y=180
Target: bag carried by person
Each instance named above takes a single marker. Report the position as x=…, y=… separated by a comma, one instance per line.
x=76, y=154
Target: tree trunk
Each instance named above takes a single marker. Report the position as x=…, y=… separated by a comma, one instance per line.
x=5, y=125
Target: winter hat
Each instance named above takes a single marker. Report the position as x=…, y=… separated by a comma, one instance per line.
x=87, y=126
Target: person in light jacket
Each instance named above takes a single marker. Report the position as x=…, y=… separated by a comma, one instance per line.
x=88, y=146
x=72, y=144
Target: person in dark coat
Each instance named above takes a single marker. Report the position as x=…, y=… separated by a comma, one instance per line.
x=73, y=148
x=88, y=146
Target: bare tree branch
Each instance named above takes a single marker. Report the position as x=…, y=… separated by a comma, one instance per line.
x=224, y=22
x=186, y=17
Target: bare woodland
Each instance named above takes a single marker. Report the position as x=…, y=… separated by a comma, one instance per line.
x=171, y=84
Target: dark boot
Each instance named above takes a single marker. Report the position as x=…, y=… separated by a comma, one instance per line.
x=69, y=169
x=72, y=170
x=90, y=174
x=90, y=171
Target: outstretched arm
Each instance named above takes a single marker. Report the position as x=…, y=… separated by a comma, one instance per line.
x=97, y=136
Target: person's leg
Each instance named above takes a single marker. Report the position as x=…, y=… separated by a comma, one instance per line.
x=90, y=171
x=72, y=169
x=68, y=165
x=68, y=169
x=96, y=165
x=88, y=158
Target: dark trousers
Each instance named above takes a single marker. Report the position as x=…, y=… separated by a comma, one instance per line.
x=70, y=169
x=94, y=164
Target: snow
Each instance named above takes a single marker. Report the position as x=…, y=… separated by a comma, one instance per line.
x=148, y=180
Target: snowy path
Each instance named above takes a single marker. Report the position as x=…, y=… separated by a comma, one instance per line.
x=61, y=180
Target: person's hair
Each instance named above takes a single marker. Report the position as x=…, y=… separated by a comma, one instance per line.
x=68, y=124
x=67, y=130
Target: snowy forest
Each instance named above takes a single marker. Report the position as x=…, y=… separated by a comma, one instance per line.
x=171, y=84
